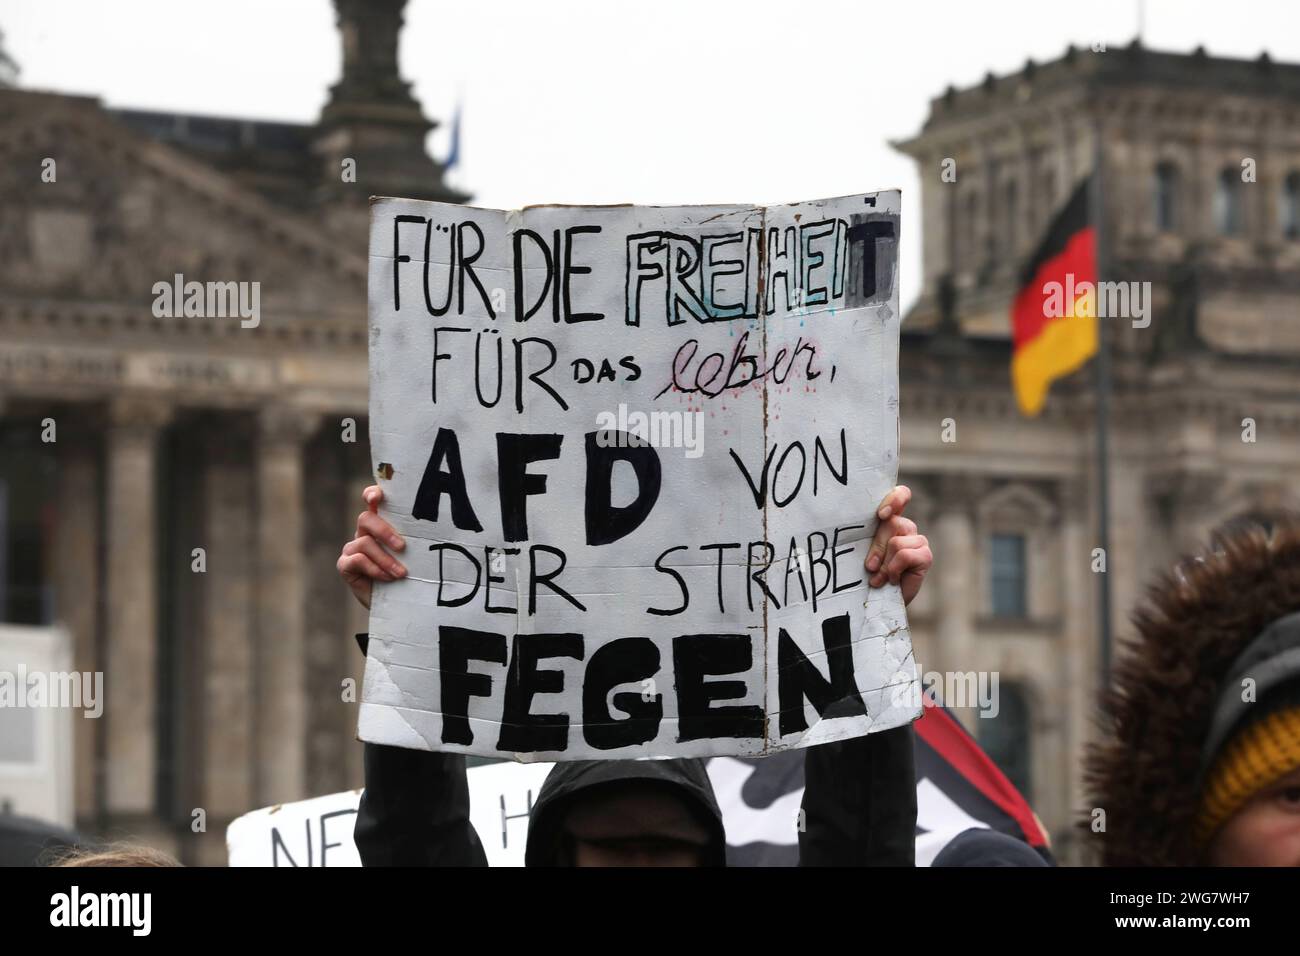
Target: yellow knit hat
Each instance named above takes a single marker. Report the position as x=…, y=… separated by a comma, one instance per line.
x=1257, y=755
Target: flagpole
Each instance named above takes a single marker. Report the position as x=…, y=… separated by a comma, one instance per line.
x=1102, y=369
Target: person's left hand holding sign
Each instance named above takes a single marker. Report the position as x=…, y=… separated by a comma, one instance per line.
x=364, y=559
x=898, y=554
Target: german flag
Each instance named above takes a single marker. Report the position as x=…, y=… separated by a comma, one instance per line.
x=1054, y=316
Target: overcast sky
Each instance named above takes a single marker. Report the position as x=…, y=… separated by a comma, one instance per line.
x=617, y=100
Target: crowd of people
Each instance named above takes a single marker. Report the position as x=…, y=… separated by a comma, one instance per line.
x=1196, y=760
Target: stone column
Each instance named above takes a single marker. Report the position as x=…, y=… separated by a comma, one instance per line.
x=1198, y=187
x=1020, y=232
x=1134, y=167
x=955, y=578
x=281, y=711
x=1065, y=160
x=229, y=628
x=130, y=678
x=1129, y=562
x=357, y=621
x=1078, y=679
x=936, y=238
x=76, y=593
x=330, y=649
x=989, y=207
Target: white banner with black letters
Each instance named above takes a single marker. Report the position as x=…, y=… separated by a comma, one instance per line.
x=635, y=453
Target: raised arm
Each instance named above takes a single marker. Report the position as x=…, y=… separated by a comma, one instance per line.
x=415, y=808
x=859, y=806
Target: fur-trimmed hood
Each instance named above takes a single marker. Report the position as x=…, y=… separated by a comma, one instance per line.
x=1195, y=620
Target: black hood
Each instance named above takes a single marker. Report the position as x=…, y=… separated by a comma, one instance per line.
x=980, y=846
x=574, y=778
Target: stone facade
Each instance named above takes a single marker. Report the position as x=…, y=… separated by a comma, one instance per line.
x=225, y=687
x=225, y=668
x=1223, y=261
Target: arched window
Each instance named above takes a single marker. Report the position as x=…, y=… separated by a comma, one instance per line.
x=1008, y=737
x=1289, y=214
x=1227, y=203
x=1007, y=575
x=1166, y=188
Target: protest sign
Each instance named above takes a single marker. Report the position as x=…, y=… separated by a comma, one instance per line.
x=635, y=453
x=318, y=832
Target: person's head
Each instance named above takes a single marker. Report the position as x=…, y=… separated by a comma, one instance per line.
x=1199, y=761
x=626, y=813
x=1264, y=830
x=634, y=823
x=1249, y=812
x=117, y=854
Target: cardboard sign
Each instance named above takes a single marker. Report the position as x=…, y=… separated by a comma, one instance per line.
x=318, y=832
x=635, y=453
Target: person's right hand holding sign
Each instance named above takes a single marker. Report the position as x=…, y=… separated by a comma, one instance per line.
x=364, y=559
x=898, y=553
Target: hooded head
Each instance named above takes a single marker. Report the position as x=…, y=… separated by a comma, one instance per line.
x=1201, y=743
x=1253, y=743
x=626, y=811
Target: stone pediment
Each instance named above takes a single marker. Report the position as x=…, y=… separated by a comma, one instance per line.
x=125, y=212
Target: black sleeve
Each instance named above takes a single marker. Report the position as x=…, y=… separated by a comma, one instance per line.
x=415, y=808
x=859, y=802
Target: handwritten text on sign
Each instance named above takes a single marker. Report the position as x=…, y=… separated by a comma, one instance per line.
x=635, y=453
